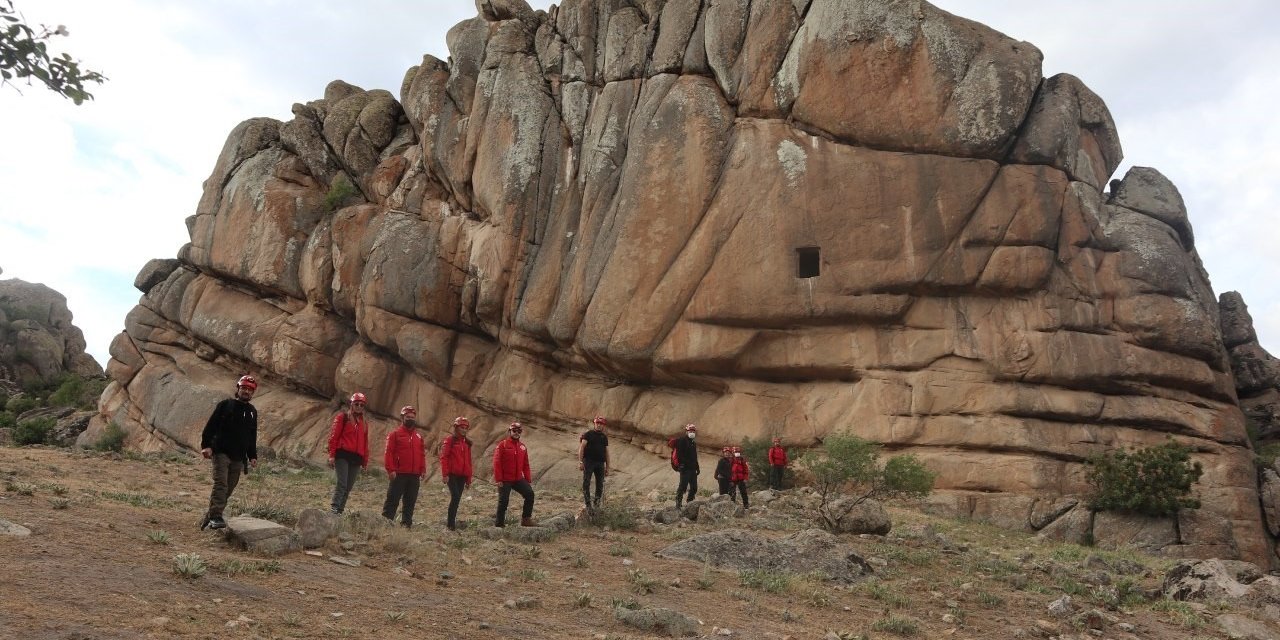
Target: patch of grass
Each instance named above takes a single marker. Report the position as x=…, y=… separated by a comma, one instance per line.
x=237, y=566
x=137, y=499
x=189, y=565
x=897, y=625
x=1181, y=613
x=579, y=561
x=582, y=601
x=817, y=598
x=1070, y=553
x=394, y=616
x=881, y=592
x=624, y=603
x=158, y=537
x=620, y=550
x=765, y=580
x=339, y=193
x=59, y=503
x=532, y=553
x=990, y=600
x=532, y=575
x=707, y=579
x=618, y=514
x=20, y=488
x=292, y=620
x=33, y=431
x=788, y=616
x=1070, y=586
x=640, y=581
x=58, y=490
x=460, y=542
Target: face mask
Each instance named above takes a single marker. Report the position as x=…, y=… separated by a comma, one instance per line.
x=737, y=455
x=692, y=435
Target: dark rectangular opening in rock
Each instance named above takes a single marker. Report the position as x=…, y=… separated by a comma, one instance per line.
x=807, y=263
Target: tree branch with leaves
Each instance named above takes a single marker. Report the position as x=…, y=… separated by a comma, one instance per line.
x=24, y=55
x=847, y=471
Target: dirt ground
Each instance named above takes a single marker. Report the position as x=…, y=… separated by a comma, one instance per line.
x=106, y=528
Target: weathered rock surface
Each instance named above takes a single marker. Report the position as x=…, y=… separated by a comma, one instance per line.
x=1257, y=372
x=867, y=516
x=1238, y=627
x=806, y=551
x=598, y=209
x=316, y=527
x=13, y=529
x=262, y=536
x=658, y=619
x=38, y=342
x=1209, y=580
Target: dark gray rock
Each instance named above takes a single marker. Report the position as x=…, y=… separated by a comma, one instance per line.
x=154, y=272
x=657, y=619
x=806, y=551
x=262, y=536
x=315, y=527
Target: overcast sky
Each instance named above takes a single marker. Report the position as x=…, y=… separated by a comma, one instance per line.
x=88, y=194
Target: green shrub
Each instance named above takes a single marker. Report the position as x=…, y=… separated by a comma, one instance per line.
x=618, y=514
x=846, y=466
x=339, y=193
x=1152, y=481
x=112, y=439
x=33, y=431
x=7, y=420
x=68, y=393
x=19, y=404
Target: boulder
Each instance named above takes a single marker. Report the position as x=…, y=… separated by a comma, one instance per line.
x=1238, y=627
x=1070, y=128
x=560, y=522
x=719, y=511
x=69, y=427
x=867, y=516
x=666, y=515
x=1211, y=580
x=316, y=527
x=13, y=529
x=806, y=551
x=262, y=537
x=1075, y=526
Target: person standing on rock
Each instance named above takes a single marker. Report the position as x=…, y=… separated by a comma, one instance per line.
x=739, y=474
x=686, y=462
x=406, y=461
x=348, y=449
x=511, y=472
x=724, y=468
x=593, y=460
x=455, y=466
x=230, y=439
x=777, y=464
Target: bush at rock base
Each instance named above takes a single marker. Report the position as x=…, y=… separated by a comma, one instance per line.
x=756, y=451
x=112, y=439
x=33, y=431
x=1152, y=481
x=847, y=471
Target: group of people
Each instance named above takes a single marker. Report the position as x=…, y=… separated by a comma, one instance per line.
x=229, y=440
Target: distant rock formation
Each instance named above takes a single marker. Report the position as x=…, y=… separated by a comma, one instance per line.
x=766, y=218
x=38, y=342
x=1257, y=372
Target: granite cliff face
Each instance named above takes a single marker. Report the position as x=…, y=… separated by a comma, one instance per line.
x=766, y=218
x=38, y=342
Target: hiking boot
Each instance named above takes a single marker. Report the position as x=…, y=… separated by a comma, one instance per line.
x=527, y=522
x=217, y=522
x=204, y=522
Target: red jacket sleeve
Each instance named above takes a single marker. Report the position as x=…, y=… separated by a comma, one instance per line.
x=444, y=457
x=334, y=430
x=524, y=463
x=389, y=458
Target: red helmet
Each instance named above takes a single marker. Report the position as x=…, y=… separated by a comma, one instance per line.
x=777, y=440
x=248, y=382
x=599, y=420
x=727, y=450
x=516, y=427
x=408, y=410
x=359, y=397
x=462, y=422
x=737, y=449
x=689, y=428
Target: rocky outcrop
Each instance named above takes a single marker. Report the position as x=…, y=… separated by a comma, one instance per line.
x=38, y=342
x=1257, y=372
x=784, y=218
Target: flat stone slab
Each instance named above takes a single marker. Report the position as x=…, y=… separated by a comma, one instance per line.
x=806, y=551
x=262, y=536
x=13, y=529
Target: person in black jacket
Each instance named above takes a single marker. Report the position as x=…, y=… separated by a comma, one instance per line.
x=230, y=439
x=686, y=463
x=724, y=468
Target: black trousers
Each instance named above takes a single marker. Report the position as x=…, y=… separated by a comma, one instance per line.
x=689, y=481
x=775, y=477
x=726, y=488
x=456, y=484
x=741, y=486
x=403, y=488
x=521, y=487
x=590, y=469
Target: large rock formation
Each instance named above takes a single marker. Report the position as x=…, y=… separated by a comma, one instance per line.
x=1257, y=372
x=767, y=218
x=38, y=342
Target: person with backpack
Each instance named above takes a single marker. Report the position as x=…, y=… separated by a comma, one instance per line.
x=777, y=464
x=739, y=474
x=684, y=459
x=230, y=440
x=511, y=472
x=593, y=460
x=405, y=460
x=348, y=449
x=455, y=466
x=723, y=469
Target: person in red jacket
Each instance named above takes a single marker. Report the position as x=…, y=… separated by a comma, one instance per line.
x=406, y=461
x=455, y=466
x=511, y=472
x=348, y=449
x=777, y=464
x=739, y=473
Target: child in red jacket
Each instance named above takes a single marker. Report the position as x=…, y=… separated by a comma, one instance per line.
x=348, y=450
x=738, y=475
x=455, y=466
x=511, y=472
x=406, y=461
x=777, y=464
